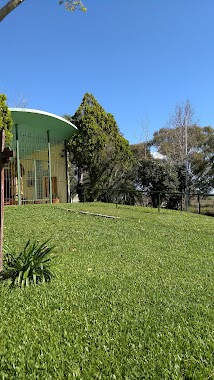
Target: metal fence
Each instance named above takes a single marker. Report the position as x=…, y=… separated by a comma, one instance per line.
x=193, y=202
x=38, y=173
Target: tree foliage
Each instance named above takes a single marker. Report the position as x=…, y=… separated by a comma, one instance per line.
x=158, y=177
x=5, y=119
x=140, y=150
x=73, y=5
x=200, y=158
x=99, y=151
x=10, y=5
x=202, y=161
x=170, y=142
x=185, y=143
x=179, y=135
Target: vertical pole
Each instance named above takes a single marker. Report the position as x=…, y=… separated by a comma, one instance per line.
x=186, y=166
x=2, y=142
x=18, y=165
x=67, y=174
x=49, y=167
x=35, y=181
x=159, y=202
x=199, y=204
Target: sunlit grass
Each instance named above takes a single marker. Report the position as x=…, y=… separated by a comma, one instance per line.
x=132, y=297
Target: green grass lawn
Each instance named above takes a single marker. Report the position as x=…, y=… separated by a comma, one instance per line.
x=132, y=297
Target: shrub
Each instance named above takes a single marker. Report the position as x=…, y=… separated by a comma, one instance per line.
x=31, y=266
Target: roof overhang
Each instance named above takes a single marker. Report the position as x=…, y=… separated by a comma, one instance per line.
x=31, y=120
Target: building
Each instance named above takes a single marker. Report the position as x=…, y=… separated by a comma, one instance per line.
x=38, y=173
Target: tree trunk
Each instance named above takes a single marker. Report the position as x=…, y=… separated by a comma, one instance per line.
x=9, y=7
x=80, y=190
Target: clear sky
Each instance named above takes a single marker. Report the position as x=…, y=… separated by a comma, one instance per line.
x=138, y=58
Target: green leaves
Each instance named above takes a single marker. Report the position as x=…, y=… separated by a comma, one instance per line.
x=182, y=140
x=155, y=175
x=72, y=5
x=99, y=151
x=30, y=266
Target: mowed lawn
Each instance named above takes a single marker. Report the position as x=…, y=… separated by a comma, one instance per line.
x=132, y=297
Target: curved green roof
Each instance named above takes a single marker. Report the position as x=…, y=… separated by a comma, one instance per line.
x=39, y=121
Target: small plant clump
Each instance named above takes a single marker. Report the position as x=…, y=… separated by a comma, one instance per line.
x=30, y=266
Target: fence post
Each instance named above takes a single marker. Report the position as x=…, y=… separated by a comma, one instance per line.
x=199, y=204
x=186, y=200
x=35, y=181
x=181, y=202
x=159, y=202
x=18, y=165
x=49, y=168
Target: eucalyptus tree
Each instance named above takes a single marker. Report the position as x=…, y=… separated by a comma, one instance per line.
x=200, y=156
x=203, y=161
x=10, y=5
x=176, y=139
x=183, y=142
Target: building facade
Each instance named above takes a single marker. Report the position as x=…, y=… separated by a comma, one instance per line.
x=38, y=172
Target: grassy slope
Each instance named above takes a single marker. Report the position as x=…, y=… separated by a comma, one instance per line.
x=133, y=297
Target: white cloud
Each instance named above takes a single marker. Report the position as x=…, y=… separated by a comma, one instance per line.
x=157, y=155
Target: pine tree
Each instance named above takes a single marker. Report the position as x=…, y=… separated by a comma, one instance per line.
x=99, y=151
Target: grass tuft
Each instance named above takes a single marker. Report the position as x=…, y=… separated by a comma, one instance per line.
x=30, y=266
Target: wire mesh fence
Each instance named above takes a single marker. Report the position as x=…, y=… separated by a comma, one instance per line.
x=202, y=204
x=38, y=172
x=192, y=202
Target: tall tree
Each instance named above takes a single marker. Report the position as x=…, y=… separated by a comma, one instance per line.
x=202, y=160
x=177, y=138
x=189, y=146
x=9, y=6
x=200, y=157
x=99, y=151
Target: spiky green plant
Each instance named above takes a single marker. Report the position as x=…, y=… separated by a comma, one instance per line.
x=31, y=266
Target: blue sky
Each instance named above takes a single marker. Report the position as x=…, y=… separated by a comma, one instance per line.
x=138, y=58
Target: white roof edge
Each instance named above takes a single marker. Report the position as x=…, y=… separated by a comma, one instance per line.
x=42, y=113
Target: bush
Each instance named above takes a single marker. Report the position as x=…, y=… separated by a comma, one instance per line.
x=30, y=266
